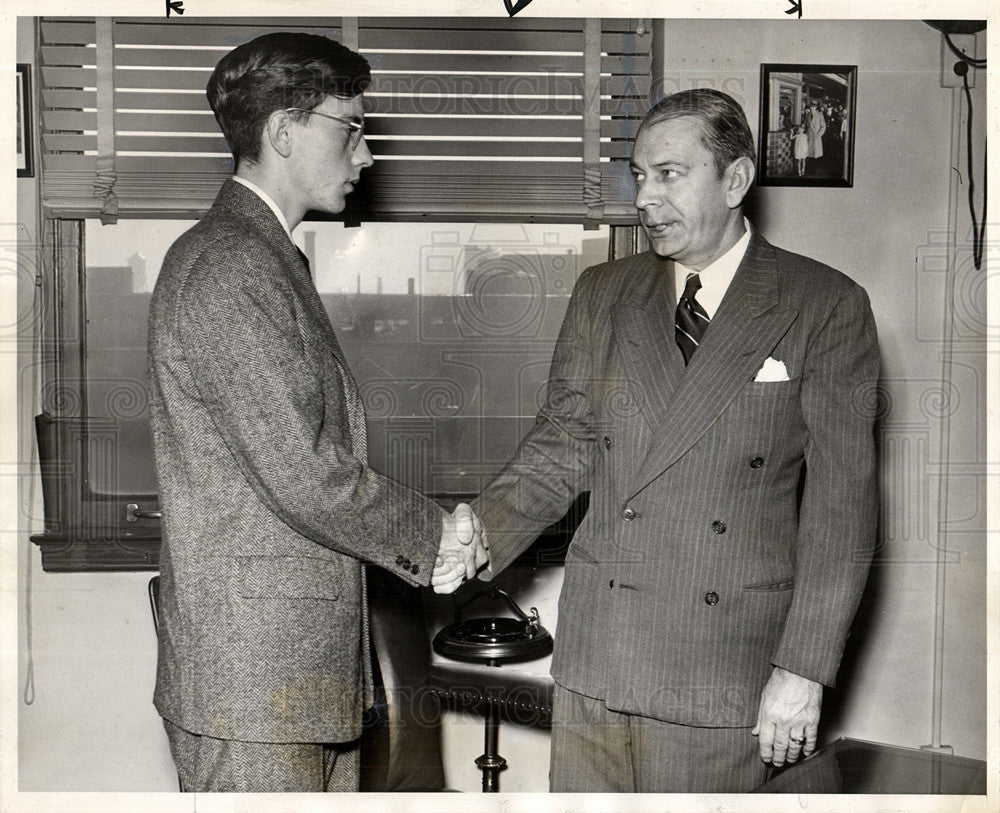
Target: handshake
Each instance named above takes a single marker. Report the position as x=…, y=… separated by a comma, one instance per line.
x=462, y=552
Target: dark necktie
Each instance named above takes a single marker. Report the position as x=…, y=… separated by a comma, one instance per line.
x=691, y=320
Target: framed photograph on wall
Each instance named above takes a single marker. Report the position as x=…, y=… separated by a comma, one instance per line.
x=807, y=118
x=23, y=138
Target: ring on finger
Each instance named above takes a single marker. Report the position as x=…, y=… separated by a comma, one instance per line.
x=797, y=740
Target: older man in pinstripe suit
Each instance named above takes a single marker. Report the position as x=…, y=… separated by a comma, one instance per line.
x=270, y=509
x=714, y=396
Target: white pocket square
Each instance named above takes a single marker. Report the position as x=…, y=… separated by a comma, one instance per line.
x=772, y=370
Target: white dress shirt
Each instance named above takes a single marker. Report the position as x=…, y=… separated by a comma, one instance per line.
x=716, y=277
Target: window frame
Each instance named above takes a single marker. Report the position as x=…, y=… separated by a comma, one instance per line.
x=85, y=530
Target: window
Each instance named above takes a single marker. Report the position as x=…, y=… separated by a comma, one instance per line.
x=490, y=158
x=448, y=328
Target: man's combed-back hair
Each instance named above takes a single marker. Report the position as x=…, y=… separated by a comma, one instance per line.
x=275, y=72
x=725, y=131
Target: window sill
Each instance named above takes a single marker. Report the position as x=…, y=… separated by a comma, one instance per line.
x=77, y=552
x=139, y=549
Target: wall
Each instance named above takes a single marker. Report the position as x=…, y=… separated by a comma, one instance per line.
x=92, y=725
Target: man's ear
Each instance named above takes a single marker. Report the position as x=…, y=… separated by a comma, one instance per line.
x=277, y=132
x=740, y=175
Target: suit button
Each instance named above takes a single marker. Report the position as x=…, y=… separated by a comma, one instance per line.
x=400, y=560
x=712, y=598
x=629, y=513
x=756, y=462
x=607, y=442
x=719, y=527
x=415, y=569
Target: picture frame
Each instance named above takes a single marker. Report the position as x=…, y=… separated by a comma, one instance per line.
x=24, y=138
x=807, y=125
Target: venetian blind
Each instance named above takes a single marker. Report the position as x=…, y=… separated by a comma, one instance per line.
x=470, y=118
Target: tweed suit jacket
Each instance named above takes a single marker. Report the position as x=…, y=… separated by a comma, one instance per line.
x=270, y=511
x=731, y=521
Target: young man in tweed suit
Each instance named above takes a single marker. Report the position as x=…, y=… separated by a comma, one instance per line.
x=270, y=511
x=714, y=395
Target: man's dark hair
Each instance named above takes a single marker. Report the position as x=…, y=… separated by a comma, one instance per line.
x=725, y=132
x=275, y=72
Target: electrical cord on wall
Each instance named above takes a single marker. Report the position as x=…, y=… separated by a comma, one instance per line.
x=961, y=68
x=978, y=229
x=33, y=473
x=968, y=60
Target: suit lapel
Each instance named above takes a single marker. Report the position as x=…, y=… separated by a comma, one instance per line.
x=643, y=327
x=745, y=329
x=247, y=204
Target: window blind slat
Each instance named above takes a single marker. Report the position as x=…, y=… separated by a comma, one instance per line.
x=191, y=100
x=160, y=79
x=475, y=106
x=633, y=65
x=486, y=62
x=536, y=127
x=167, y=122
x=79, y=32
x=460, y=149
x=69, y=120
x=69, y=77
x=73, y=99
x=149, y=57
x=476, y=25
x=475, y=62
x=62, y=142
x=512, y=84
x=381, y=62
x=496, y=39
x=69, y=55
x=499, y=38
x=508, y=84
x=222, y=33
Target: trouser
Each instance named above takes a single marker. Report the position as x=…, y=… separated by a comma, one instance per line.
x=209, y=764
x=596, y=750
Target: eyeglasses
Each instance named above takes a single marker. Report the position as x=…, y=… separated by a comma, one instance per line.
x=357, y=128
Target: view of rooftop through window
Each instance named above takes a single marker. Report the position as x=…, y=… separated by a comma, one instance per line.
x=473, y=308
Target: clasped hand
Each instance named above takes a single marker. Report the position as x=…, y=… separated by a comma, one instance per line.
x=462, y=552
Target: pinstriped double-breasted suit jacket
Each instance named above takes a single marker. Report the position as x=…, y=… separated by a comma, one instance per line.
x=731, y=521
x=269, y=508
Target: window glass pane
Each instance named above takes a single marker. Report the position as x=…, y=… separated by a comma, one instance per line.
x=122, y=262
x=448, y=328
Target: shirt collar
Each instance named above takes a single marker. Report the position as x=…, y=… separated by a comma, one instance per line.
x=716, y=277
x=267, y=199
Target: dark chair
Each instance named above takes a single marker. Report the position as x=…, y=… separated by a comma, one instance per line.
x=154, y=605
x=154, y=601
x=401, y=744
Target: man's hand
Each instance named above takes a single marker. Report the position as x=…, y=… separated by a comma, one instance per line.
x=788, y=718
x=462, y=551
